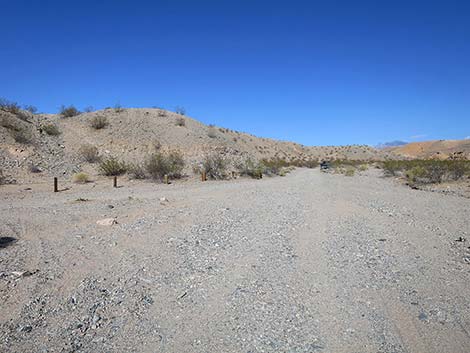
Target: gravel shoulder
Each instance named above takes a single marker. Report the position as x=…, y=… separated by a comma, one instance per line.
x=310, y=262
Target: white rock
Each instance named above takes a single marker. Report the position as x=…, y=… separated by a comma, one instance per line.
x=106, y=222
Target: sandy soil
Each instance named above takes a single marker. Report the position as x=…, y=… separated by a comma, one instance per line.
x=311, y=262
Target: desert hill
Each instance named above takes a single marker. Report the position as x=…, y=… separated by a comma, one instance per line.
x=440, y=149
x=131, y=134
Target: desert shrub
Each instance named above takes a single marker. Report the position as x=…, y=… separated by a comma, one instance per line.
x=9, y=106
x=137, y=171
x=112, y=167
x=274, y=166
x=22, y=136
x=161, y=112
x=211, y=131
x=99, y=122
x=180, y=121
x=428, y=170
x=68, y=112
x=215, y=166
x=160, y=164
x=118, y=108
x=89, y=153
x=51, y=129
x=81, y=178
x=88, y=109
x=31, y=109
x=250, y=168
x=180, y=110
x=2, y=178
x=363, y=167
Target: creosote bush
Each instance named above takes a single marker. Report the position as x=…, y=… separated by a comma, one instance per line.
x=81, y=178
x=250, y=168
x=428, y=171
x=68, y=112
x=169, y=163
x=215, y=166
x=99, y=122
x=112, y=167
x=89, y=153
x=51, y=129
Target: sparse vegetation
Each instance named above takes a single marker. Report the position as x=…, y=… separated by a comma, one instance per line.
x=88, y=109
x=160, y=164
x=180, y=121
x=118, y=108
x=9, y=106
x=81, y=178
x=427, y=171
x=250, y=168
x=112, y=166
x=51, y=129
x=22, y=136
x=68, y=112
x=215, y=166
x=31, y=109
x=137, y=171
x=89, y=153
x=99, y=122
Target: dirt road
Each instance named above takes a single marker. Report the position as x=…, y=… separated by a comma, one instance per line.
x=307, y=263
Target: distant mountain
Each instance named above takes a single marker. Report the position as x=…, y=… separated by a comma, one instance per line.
x=395, y=143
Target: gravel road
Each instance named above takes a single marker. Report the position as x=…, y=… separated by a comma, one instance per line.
x=311, y=262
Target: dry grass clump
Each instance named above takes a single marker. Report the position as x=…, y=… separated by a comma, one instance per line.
x=89, y=153
x=9, y=106
x=428, y=171
x=81, y=178
x=137, y=171
x=51, y=129
x=99, y=122
x=170, y=163
x=112, y=167
x=68, y=112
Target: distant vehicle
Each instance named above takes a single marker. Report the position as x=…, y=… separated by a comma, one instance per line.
x=324, y=165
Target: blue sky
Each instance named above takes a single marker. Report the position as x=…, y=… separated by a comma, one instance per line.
x=315, y=72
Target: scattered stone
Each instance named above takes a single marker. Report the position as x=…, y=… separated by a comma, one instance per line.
x=107, y=222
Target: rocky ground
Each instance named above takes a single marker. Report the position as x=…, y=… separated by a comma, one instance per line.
x=311, y=262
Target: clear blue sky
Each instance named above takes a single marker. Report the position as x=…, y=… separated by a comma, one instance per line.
x=315, y=72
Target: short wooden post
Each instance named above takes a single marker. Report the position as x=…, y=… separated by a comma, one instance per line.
x=115, y=182
x=165, y=179
x=56, y=185
x=203, y=176
x=233, y=174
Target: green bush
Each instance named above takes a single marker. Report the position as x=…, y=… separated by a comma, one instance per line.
x=160, y=164
x=68, y=112
x=99, y=122
x=51, y=129
x=112, y=167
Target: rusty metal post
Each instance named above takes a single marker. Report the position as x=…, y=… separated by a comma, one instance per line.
x=56, y=185
x=115, y=182
x=203, y=176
